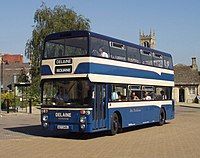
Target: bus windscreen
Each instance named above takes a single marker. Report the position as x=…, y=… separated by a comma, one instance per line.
x=69, y=47
x=65, y=93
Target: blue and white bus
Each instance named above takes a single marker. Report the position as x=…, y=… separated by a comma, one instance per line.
x=91, y=82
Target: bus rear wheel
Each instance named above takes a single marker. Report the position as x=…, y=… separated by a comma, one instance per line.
x=162, y=117
x=115, y=125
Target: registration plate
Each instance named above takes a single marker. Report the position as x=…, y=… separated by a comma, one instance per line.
x=62, y=127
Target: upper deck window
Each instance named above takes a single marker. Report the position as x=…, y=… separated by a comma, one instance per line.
x=69, y=47
x=168, y=62
x=133, y=55
x=118, y=51
x=157, y=60
x=99, y=47
x=146, y=57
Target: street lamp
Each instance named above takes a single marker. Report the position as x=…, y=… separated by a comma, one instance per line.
x=0, y=82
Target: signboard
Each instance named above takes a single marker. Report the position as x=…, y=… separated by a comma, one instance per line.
x=63, y=61
x=63, y=69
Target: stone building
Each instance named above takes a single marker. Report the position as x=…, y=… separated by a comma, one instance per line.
x=11, y=66
x=148, y=40
x=12, y=58
x=187, y=82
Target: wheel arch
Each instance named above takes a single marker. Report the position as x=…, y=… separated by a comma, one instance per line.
x=119, y=117
x=165, y=110
x=162, y=118
x=163, y=107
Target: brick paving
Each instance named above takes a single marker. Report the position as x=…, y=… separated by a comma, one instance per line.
x=21, y=136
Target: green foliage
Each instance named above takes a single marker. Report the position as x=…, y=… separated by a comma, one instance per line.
x=48, y=21
x=22, y=76
x=34, y=89
x=7, y=95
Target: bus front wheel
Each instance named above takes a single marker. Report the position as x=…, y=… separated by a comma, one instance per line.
x=115, y=124
x=162, y=117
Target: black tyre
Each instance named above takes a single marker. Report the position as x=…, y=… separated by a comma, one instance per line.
x=162, y=117
x=115, y=124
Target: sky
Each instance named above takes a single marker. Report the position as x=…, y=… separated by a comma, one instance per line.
x=176, y=23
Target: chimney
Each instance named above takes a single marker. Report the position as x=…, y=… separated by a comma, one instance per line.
x=194, y=63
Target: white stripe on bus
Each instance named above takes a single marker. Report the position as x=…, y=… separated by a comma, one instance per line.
x=138, y=104
x=66, y=108
x=128, y=80
x=77, y=61
x=112, y=79
x=66, y=76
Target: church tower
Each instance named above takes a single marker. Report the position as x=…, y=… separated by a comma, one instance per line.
x=148, y=40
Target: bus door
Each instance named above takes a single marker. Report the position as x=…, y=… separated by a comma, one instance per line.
x=100, y=106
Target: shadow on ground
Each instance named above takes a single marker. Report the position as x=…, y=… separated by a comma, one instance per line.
x=38, y=131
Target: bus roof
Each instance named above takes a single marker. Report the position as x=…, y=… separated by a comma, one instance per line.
x=80, y=33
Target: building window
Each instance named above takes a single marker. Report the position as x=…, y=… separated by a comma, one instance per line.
x=146, y=44
x=192, y=89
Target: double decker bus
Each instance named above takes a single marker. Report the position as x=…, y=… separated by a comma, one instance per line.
x=91, y=82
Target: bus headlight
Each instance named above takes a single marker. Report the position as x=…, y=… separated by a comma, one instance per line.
x=82, y=126
x=87, y=112
x=45, y=118
x=45, y=125
x=82, y=119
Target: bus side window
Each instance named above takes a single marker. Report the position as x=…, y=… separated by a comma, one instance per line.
x=99, y=47
x=134, y=92
x=168, y=62
x=133, y=55
x=148, y=92
x=157, y=60
x=118, y=51
x=119, y=93
x=146, y=57
x=163, y=93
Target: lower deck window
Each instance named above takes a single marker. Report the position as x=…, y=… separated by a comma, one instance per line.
x=119, y=93
x=138, y=92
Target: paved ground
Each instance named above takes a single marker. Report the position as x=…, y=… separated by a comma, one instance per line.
x=21, y=136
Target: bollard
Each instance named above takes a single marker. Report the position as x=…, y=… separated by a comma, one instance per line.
x=30, y=106
x=7, y=107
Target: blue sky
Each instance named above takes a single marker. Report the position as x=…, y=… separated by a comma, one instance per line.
x=176, y=22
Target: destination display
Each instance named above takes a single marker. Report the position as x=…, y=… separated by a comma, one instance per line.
x=63, y=61
x=63, y=69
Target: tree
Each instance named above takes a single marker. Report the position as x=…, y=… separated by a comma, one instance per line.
x=23, y=77
x=8, y=98
x=48, y=21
